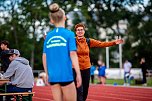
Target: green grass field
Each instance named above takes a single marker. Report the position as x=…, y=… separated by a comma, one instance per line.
x=121, y=82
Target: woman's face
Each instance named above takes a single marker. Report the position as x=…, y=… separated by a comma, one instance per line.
x=80, y=31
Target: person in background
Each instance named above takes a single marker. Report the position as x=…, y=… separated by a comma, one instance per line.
x=44, y=35
x=96, y=73
x=59, y=55
x=127, y=71
x=19, y=72
x=40, y=81
x=144, y=71
x=102, y=73
x=3, y=55
x=83, y=49
x=92, y=69
x=4, y=46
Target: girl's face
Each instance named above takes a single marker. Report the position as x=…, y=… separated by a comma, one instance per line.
x=80, y=31
x=99, y=63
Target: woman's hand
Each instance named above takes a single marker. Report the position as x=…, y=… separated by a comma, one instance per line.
x=78, y=80
x=118, y=41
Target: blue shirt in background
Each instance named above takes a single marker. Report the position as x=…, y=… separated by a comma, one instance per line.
x=92, y=69
x=102, y=70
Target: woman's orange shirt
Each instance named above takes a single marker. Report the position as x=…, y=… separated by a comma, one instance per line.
x=83, y=50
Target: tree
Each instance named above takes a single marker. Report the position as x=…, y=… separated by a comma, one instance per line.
x=23, y=23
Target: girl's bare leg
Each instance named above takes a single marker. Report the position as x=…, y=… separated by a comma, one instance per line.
x=69, y=92
x=99, y=79
x=103, y=80
x=57, y=92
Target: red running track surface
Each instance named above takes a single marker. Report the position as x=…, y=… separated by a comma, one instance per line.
x=102, y=93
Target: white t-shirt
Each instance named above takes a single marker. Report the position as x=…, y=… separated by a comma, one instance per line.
x=127, y=66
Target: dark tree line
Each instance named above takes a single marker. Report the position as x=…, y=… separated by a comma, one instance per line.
x=23, y=23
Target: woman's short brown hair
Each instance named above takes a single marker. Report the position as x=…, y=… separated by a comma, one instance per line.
x=79, y=25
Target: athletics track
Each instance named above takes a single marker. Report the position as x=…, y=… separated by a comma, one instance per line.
x=102, y=93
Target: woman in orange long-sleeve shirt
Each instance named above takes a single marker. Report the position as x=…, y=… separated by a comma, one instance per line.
x=84, y=58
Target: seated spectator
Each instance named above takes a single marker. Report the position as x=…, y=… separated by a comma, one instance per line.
x=41, y=79
x=129, y=78
x=127, y=70
x=19, y=72
x=40, y=82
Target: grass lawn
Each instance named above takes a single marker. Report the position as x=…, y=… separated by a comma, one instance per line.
x=121, y=82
